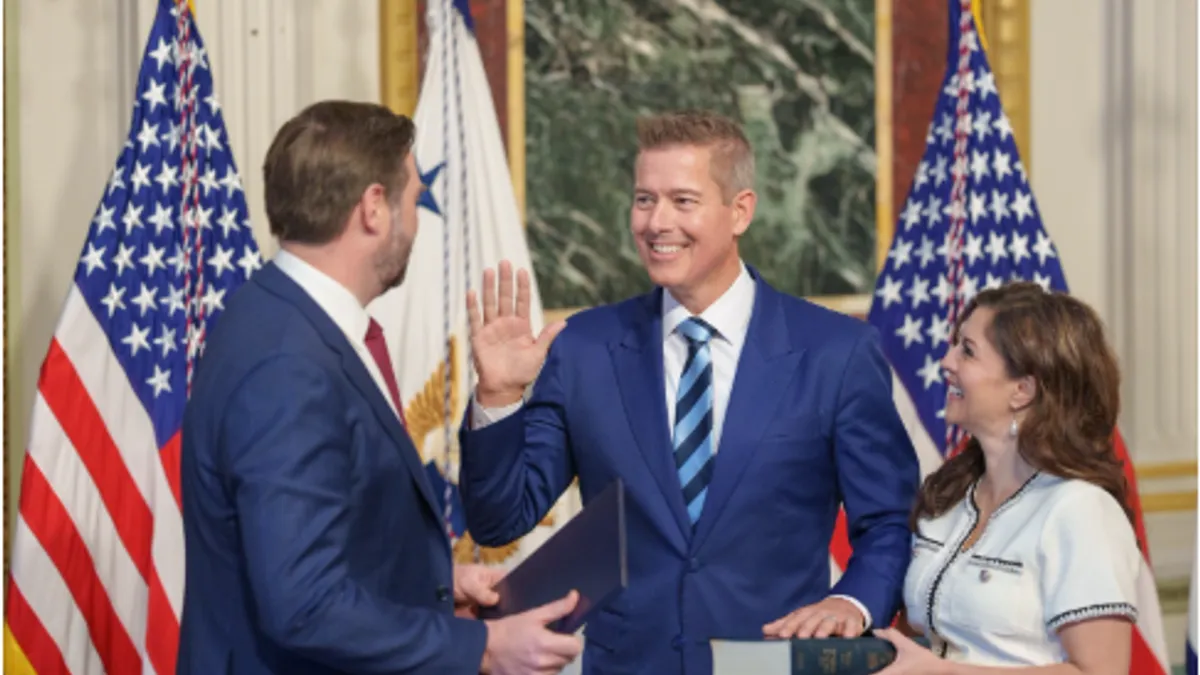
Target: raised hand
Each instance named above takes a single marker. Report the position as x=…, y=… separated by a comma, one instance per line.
x=507, y=355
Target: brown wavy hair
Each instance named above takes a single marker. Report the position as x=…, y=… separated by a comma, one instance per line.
x=1069, y=425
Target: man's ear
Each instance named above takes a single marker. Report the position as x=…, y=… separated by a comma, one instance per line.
x=373, y=209
x=743, y=205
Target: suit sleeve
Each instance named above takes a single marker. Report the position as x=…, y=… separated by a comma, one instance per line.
x=878, y=477
x=286, y=450
x=514, y=469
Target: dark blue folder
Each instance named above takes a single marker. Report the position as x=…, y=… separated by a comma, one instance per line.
x=588, y=554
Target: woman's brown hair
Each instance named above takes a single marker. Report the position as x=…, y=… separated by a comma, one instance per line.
x=1068, y=427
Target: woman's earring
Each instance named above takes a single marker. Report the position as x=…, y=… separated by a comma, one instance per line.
x=1012, y=428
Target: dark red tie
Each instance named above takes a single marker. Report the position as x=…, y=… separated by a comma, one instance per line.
x=378, y=348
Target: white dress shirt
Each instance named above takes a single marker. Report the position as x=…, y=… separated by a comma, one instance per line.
x=730, y=316
x=1056, y=552
x=342, y=307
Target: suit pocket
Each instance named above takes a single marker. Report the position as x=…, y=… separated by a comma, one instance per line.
x=605, y=648
x=997, y=596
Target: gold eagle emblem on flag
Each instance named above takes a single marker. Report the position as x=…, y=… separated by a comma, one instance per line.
x=425, y=413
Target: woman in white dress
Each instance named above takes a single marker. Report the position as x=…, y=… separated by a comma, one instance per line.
x=1023, y=551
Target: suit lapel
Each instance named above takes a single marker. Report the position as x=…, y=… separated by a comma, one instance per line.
x=279, y=283
x=361, y=378
x=765, y=368
x=639, y=365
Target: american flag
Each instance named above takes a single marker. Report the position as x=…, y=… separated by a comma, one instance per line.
x=970, y=222
x=97, y=574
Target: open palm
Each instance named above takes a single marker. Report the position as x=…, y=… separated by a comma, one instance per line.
x=507, y=355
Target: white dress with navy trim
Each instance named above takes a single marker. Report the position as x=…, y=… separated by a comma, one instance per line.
x=1056, y=552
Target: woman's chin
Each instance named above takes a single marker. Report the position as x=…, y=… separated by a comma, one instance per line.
x=952, y=418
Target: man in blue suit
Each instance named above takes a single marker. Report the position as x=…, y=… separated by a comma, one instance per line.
x=313, y=541
x=739, y=418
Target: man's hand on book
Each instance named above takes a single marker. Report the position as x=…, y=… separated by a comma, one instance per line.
x=836, y=617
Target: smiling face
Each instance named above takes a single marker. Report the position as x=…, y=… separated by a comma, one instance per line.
x=1066, y=394
x=981, y=395
x=685, y=231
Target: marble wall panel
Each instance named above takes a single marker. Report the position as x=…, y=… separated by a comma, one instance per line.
x=798, y=73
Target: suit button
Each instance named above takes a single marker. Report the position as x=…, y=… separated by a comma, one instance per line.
x=443, y=594
x=677, y=642
x=693, y=565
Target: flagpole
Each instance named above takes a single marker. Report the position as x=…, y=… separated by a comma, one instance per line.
x=977, y=10
x=14, y=414
x=398, y=57
x=1007, y=45
x=884, y=149
x=515, y=99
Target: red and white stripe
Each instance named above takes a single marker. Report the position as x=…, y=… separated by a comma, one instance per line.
x=97, y=560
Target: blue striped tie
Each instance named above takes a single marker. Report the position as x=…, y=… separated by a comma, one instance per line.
x=694, y=417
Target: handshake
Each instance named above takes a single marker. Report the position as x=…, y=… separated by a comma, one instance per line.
x=520, y=643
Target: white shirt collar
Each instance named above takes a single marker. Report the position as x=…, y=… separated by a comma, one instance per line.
x=730, y=314
x=337, y=301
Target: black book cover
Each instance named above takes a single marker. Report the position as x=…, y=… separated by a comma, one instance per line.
x=588, y=554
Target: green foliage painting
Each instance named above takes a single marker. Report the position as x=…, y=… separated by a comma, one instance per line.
x=799, y=74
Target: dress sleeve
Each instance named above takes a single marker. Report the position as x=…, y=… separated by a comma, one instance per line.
x=1089, y=558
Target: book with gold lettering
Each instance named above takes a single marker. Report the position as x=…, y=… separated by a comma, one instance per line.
x=815, y=656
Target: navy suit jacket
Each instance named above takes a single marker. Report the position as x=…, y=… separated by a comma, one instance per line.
x=314, y=545
x=810, y=426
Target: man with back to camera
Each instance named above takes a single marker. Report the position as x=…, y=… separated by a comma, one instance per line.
x=739, y=418
x=314, y=544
